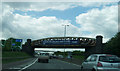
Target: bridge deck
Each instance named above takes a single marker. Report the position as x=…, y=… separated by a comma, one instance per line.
x=62, y=46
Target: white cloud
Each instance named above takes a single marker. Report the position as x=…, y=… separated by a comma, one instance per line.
x=41, y=6
x=0, y=20
x=104, y=22
x=20, y=26
x=119, y=17
x=61, y=1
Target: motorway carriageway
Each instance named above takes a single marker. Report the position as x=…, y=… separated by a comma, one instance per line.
x=53, y=64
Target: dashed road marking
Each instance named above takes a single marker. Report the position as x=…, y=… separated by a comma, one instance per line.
x=14, y=68
x=28, y=65
x=70, y=63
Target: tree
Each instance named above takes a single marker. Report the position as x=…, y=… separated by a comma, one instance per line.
x=113, y=45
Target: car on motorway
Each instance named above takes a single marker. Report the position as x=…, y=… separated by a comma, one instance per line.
x=101, y=62
x=43, y=57
x=60, y=56
x=55, y=56
x=68, y=57
x=50, y=56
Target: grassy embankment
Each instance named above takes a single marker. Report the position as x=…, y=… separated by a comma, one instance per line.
x=8, y=57
x=78, y=57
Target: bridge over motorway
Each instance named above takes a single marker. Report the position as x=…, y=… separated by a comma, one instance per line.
x=91, y=45
x=64, y=42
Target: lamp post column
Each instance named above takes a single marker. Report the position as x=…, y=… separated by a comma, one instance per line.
x=64, y=36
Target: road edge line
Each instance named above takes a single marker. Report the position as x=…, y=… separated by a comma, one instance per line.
x=28, y=65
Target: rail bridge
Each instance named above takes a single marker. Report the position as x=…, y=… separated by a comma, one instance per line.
x=64, y=42
x=91, y=45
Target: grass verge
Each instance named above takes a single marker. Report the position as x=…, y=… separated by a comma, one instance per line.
x=5, y=61
x=14, y=54
x=81, y=57
x=8, y=57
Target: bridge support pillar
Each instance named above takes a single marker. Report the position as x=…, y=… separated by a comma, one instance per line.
x=28, y=48
x=99, y=46
x=95, y=50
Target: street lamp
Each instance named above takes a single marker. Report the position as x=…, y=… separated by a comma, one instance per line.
x=65, y=36
x=65, y=30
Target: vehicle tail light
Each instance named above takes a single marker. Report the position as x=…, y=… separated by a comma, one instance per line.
x=108, y=55
x=118, y=65
x=99, y=64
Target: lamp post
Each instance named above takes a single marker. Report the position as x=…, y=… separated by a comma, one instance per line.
x=64, y=36
x=65, y=30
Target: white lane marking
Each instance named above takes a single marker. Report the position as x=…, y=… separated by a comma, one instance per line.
x=14, y=68
x=76, y=65
x=70, y=63
x=28, y=65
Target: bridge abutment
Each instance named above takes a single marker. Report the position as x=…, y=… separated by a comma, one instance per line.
x=97, y=49
x=28, y=48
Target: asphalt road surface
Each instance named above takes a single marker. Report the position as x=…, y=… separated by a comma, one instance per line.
x=54, y=64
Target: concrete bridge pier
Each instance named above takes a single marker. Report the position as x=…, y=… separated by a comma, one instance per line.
x=97, y=49
x=28, y=48
x=99, y=45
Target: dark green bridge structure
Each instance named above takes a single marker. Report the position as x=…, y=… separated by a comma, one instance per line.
x=91, y=45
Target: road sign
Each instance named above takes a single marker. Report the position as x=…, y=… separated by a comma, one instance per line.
x=18, y=40
x=16, y=44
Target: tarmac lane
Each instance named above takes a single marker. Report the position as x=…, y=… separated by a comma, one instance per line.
x=54, y=64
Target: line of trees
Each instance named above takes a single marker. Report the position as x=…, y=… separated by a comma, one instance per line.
x=113, y=45
x=7, y=45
